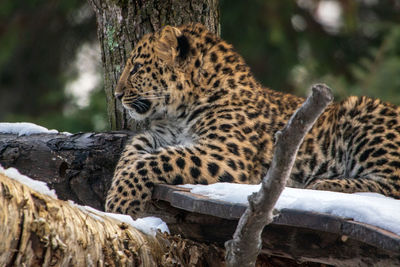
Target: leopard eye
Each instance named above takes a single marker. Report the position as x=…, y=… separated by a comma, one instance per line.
x=135, y=68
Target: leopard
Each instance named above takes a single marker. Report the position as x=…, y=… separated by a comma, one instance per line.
x=209, y=120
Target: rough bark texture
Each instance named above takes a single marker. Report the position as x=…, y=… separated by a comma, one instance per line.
x=122, y=23
x=79, y=167
x=38, y=230
x=246, y=244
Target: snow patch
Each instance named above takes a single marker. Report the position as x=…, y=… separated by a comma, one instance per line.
x=38, y=186
x=150, y=225
x=371, y=208
x=24, y=128
x=147, y=225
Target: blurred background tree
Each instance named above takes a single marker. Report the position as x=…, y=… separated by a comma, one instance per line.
x=50, y=65
x=50, y=61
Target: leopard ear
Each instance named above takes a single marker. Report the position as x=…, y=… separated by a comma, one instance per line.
x=172, y=46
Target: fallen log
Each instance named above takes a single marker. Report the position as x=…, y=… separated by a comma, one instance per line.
x=79, y=167
x=299, y=235
x=39, y=230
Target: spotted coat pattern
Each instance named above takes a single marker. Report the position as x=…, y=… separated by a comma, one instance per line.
x=211, y=121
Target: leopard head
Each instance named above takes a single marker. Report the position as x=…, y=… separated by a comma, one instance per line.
x=174, y=68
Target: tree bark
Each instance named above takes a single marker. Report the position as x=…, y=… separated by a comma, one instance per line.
x=246, y=244
x=38, y=230
x=120, y=26
x=79, y=167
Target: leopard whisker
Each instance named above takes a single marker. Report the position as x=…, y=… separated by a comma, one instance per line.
x=150, y=92
x=154, y=97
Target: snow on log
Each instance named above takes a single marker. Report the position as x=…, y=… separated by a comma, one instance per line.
x=40, y=230
x=301, y=235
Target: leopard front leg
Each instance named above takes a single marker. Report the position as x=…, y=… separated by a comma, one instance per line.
x=207, y=163
x=122, y=186
x=129, y=189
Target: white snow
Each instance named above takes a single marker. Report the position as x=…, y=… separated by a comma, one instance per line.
x=148, y=225
x=370, y=208
x=23, y=128
x=38, y=186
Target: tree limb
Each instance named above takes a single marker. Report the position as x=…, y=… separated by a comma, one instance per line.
x=243, y=249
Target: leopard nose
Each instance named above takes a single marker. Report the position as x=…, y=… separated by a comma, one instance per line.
x=119, y=95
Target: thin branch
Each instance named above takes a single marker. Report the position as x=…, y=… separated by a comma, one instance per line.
x=243, y=249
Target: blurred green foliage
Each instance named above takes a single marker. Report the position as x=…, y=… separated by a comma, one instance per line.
x=288, y=44
x=289, y=47
x=39, y=40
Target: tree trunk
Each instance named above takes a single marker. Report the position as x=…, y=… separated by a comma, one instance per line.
x=121, y=24
x=38, y=230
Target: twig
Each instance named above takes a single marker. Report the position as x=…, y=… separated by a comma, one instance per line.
x=243, y=249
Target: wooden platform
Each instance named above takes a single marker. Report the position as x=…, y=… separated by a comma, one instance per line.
x=299, y=235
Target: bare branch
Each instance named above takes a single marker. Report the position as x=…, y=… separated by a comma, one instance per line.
x=243, y=249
